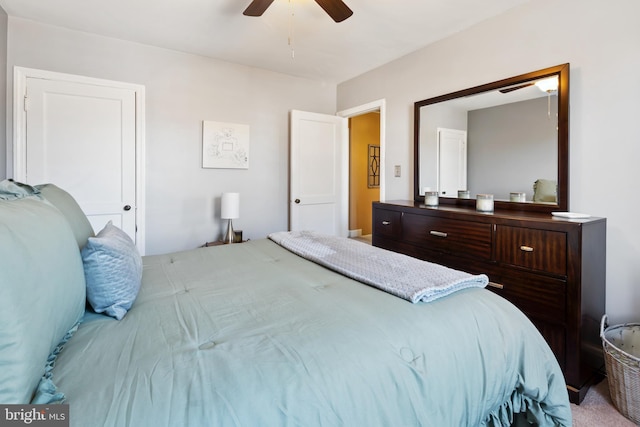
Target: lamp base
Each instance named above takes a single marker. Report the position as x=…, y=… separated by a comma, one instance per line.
x=229, y=237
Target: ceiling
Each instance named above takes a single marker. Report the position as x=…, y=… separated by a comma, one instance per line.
x=378, y=32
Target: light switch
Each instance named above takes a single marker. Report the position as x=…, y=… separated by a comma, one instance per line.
x=396, y=171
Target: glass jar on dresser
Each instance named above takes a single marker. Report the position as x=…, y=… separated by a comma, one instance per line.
x=552, y=269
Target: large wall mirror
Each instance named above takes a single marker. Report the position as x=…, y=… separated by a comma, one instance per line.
x=508, y=138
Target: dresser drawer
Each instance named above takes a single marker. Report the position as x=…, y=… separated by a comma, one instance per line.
x=448, y=235
x=534, y=249
x=536, y=295
x=387, y=223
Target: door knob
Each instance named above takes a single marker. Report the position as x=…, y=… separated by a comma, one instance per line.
x=297, y=201
x=127, y=208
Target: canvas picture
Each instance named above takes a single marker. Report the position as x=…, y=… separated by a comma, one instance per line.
x=225, y=145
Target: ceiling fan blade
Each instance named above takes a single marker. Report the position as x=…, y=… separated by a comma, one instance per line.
x=511, y=89
x=257, y=7
x=336, y=9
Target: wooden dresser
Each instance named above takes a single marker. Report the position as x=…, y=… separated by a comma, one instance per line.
x=552, y=269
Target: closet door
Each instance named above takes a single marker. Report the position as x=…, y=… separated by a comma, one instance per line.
x=82, y=137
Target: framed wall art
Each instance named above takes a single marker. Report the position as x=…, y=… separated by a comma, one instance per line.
x=225, y=145
x=373, y=169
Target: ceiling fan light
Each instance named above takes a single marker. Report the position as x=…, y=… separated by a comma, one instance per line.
x=548, y=85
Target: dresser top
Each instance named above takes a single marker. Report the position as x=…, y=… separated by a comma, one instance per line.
x=446, y=210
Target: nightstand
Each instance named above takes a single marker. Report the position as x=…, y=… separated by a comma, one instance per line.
x=216, y=243
x=220, y=243
x=237, y=236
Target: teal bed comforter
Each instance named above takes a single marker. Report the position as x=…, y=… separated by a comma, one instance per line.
x=253, y=335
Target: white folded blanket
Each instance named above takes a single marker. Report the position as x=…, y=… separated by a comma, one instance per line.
x=400, y=275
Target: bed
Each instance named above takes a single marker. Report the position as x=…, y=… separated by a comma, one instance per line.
x=252, y=334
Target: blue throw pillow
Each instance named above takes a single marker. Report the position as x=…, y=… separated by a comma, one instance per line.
x=113, y=271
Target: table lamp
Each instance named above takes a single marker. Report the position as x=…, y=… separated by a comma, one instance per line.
x=230, y=209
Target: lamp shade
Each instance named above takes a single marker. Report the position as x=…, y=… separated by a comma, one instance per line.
x=230, y=205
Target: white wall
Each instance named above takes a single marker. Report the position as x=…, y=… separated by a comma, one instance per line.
x=502, y=159
x=182, y=90
x=601, y=41
x=432, y=117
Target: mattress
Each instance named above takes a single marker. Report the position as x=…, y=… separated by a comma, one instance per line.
x=252, y=335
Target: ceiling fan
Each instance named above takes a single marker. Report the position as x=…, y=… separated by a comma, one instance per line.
x=512, y=88
x=549, y=85
x=336, y=9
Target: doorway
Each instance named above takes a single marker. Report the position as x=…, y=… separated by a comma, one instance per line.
x=366, y=164
x=364, y=171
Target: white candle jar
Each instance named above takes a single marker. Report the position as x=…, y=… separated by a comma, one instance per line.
x=484, y=203
x=463, y=194
x=431, y=198
x=518, y=197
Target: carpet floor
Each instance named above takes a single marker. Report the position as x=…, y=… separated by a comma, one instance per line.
x=596, y=410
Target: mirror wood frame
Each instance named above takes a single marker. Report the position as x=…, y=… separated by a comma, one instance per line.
x=562, y=71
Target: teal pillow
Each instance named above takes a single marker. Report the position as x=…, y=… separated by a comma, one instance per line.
x=545, y=190
x=66, y=204
x=113, y=271
x=42, y=292
x=11, y=190
x=63, y=201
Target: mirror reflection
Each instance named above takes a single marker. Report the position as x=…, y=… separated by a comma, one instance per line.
x=465, y=145
x=503, y=138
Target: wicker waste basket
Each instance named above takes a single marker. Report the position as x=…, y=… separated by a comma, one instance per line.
x=621, y=344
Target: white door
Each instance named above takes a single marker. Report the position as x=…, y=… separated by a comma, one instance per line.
x=452, y=161
x=82, y=137
x=318, y=180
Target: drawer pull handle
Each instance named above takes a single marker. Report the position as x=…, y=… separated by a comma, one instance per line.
x=438, y=233
x=496, y=285
x=386, y=222
x=526, y=248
